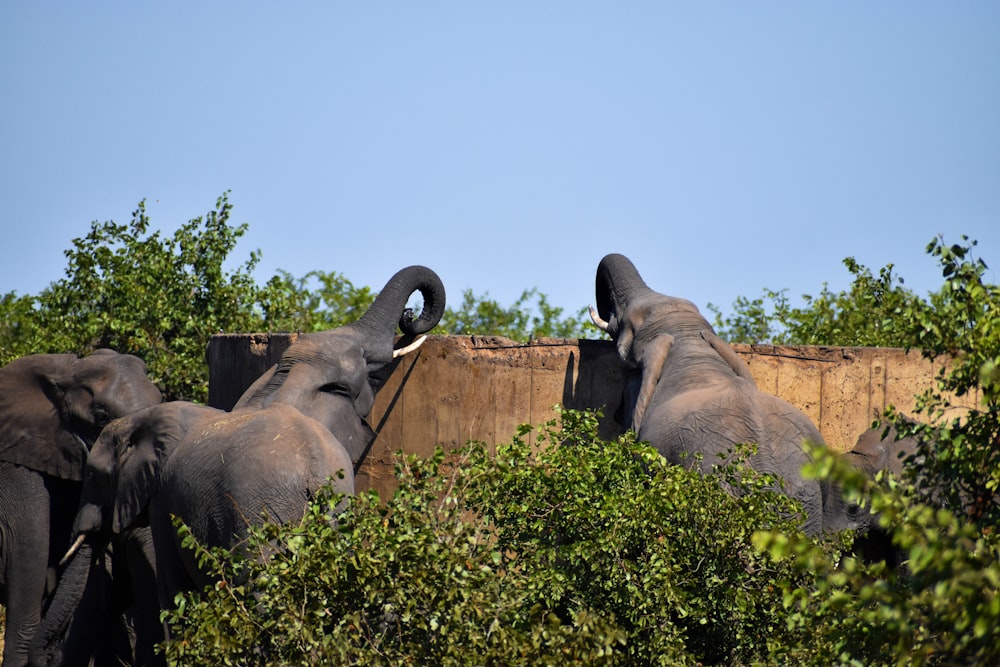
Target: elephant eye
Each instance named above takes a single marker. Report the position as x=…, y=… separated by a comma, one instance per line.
x=336, y=388
x=101, y=417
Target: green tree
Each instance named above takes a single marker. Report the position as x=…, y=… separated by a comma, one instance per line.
x=864, y=315
x=317, y=301
x=960, y=452
x=137, y=291
x=530, y=316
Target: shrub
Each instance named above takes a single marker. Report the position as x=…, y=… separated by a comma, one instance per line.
x=569, y=551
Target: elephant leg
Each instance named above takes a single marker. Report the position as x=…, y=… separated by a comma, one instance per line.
x=24, y=513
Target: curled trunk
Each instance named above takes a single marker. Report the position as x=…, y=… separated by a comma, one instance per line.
x=618, y=282
x=379, y=322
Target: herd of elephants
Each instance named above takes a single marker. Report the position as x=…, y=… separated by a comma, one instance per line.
x=93, y=464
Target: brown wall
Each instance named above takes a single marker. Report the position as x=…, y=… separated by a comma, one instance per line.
x=461, y=388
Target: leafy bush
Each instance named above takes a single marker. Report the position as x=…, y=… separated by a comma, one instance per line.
x=942, y=608
x=571, y=551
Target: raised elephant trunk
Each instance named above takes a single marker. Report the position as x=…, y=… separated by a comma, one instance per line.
x=378, y=324
x=618, y=283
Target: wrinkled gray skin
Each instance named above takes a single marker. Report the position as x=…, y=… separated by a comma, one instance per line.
x=52, y=408
x=300, y=424
x=688, y=392
x=879, y=449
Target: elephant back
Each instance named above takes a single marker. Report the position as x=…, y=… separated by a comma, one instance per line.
x=247, y=464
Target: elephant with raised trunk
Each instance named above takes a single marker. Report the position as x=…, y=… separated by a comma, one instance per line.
x=52, y=408
x=689, y=393
x=300, y=424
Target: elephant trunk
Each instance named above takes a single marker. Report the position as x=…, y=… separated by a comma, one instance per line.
x=618, y=282
x=54, y=633
x=378, y=324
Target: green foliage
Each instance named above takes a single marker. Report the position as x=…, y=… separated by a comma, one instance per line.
x=960, y=450
x=942, y=608
x=162, y=297
x=318, y=301
x=865, y=315
x=137, y=291
x=524, y=319
x=568, y=551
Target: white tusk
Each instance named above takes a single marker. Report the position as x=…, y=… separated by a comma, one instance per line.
x=73, y=548
x=409, y=348
x=601, y=324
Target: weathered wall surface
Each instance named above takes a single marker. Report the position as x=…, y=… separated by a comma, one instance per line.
x=461, y=388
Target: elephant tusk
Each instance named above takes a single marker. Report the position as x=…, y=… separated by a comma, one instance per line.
x=601, y=324
x=409, y=348
x=73, y=548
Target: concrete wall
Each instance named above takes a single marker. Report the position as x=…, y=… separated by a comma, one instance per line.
x=461, y=388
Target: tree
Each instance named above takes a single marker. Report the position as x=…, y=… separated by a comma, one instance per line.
x=865, y=315
x=158, y=297
x=317, y=301
x=943, y=606
x=162, y=298
x=524, y=319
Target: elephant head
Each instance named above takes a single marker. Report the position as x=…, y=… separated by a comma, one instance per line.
x=880, y=449
x=332, y=376
x=53, y=406
x=125, y=465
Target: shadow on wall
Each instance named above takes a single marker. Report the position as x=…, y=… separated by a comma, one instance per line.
x=593, y=381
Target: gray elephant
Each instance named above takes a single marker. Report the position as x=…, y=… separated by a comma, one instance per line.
x=880, y=449
x=52, y=408
x=303, y=422
x=689, y=393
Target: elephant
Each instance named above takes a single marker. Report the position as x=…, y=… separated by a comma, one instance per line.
x=690, y=395
x=52, y=408
x=880, y=449
x=301, y=423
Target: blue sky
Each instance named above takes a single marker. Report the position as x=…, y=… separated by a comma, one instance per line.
x=724, y=147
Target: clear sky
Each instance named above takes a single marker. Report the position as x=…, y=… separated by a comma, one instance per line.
x=724, y=147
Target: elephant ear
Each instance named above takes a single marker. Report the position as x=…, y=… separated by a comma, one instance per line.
x=143, y=448
x=652, y=356
x=32, y=433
